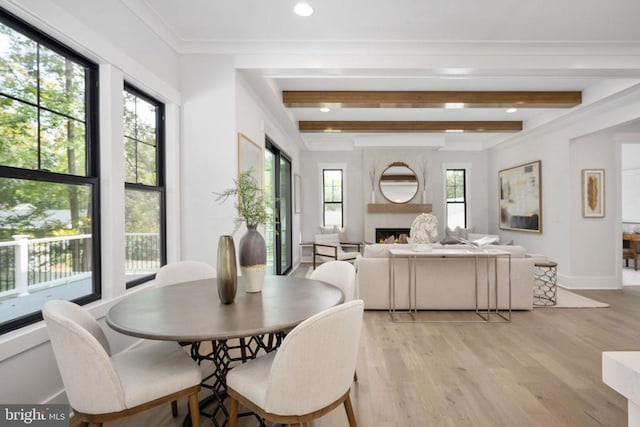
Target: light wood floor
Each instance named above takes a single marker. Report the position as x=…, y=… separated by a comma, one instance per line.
x=543, y=369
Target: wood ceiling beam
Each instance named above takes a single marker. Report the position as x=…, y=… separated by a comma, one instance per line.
x=408, y=126
x=430, y=99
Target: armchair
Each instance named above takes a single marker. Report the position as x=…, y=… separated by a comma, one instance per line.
x=328, y=247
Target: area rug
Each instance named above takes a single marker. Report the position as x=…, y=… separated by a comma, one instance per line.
x=568, y=299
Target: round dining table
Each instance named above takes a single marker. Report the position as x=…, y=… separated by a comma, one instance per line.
x=191, y=312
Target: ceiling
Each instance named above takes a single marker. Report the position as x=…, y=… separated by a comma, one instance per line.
x=590, y=46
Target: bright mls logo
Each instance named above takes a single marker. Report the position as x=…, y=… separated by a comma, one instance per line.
x=34, y=415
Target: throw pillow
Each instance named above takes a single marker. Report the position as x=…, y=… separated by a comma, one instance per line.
x=342, y=233
x=327, y=230
x=453, y=236
x=464, y=232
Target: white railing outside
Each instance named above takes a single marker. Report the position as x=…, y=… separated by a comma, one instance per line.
x=46, y=262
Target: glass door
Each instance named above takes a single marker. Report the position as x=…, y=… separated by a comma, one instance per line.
x=278, y=234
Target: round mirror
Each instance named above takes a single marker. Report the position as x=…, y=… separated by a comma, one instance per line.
x=398, y=183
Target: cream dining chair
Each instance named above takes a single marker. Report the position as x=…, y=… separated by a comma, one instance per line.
x=342, y=275
x=102, y=387
x=308, y=376
x=183, y=271
x=179, y=272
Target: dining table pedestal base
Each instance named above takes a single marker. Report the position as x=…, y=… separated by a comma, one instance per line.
x=224, y=355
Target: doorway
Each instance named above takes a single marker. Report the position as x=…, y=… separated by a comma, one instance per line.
x=277, y=170
x=630, y=167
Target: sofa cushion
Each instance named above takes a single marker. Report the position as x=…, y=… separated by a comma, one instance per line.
x=381, y=250
x=515, y=250
x=452, y=235
x=376, y=251
x=476, y=236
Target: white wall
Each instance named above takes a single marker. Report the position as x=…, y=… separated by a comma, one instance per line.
x=593, y=248
x=209, y=153
x=107, y=32
x=26, y=358
x=417, y=159
x=565, y=148
x=630, y=153
x=360, y=224
x=311, y=216
x=255, y=120
x=554, y=157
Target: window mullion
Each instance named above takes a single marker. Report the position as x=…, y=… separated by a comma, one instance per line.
x=38, y=125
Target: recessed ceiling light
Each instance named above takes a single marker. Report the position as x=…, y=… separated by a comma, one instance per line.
x=325, y=109
x=303, y=9
x=454, y=105
x=329, y=130
x=511, y=110
x=454, y=130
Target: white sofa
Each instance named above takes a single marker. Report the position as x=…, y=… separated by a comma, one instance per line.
x=445, y=283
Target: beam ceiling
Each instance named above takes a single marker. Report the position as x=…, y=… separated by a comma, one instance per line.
x=431, y=99
x=409, y=126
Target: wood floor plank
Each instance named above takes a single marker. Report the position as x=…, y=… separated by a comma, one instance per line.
x=543, y=369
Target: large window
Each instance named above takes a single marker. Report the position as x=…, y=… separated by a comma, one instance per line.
x=49, y=221
x=144, y=186
x=332, y=197
x=456, y=198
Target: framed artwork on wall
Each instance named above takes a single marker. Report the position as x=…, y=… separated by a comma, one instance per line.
x=250, y=157
x=521, y=198
x=593, y=193
x=297, y=196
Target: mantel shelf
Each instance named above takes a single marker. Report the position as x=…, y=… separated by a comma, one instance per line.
x=398, y=207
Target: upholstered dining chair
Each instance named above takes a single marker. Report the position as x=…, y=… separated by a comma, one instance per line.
x=183, y=271
x=179, y=272
x=102, y=387
x=342, y=275
x=308, y=376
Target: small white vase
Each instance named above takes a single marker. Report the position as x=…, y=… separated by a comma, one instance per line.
x=424, y=196
x=373, y=196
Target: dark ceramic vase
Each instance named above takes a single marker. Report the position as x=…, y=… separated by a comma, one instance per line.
x=253, y=259
x=227, y=270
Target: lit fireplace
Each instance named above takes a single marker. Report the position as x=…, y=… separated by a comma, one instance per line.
x=382, y=234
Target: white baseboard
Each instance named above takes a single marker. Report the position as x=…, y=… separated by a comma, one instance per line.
x=58, y=398
x=589, y=282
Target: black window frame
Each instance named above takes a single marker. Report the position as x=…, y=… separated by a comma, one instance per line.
x=464, y=193
x=341, y=202
x=278, y=155
x=91, y=177
x=160, y=186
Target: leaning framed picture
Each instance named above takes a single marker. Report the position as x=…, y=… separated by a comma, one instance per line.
x=250, y=157
x=521, y=198
x=297, y=191
x=593, y=193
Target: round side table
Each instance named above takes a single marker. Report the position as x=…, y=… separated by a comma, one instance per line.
x=545, y=283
